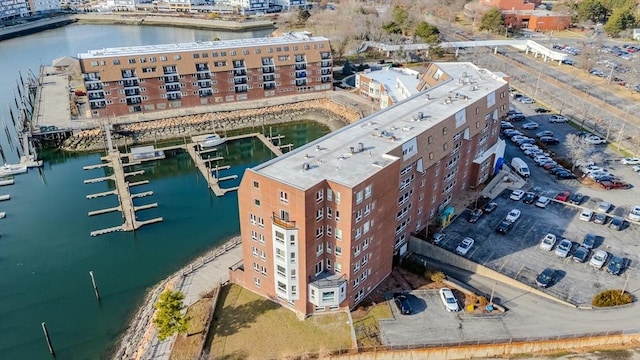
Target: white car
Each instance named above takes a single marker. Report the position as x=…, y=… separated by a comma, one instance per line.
x=586, y=215
x=634, y=214
x=630, y=161
x=517, y=195
x=595, y=174
x=564, y=248
x=542, y=202
x=599, y=258
x=513, y=215
x=449, y=300
x=636, y=168
x=464, y=246
x=526, y=100
x=528, y=146
x=591, y=168
x=530, y=126
x=557, y=119
x=594, y=140
x=584, y=163
x=547, y=242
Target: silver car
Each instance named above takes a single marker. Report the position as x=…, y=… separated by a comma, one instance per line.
x=599, y=258
x=564, y=248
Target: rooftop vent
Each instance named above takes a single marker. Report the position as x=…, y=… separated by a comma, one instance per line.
x=305, y=166
x=418, y=116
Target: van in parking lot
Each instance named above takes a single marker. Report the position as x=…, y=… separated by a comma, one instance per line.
x=520, y=167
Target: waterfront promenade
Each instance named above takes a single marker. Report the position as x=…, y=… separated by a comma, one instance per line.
x=199, y=277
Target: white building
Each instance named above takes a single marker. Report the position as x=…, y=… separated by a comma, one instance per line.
x=10, y=9
x=389, y=85
x=249, y=6
x=288, y=4
x=636, y=34
x=44, y=6
x=128, y=5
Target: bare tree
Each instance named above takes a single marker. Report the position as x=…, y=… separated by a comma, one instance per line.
x=577, y=150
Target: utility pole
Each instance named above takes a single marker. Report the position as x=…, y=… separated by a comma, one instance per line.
x=48, y=339
x=95, y=287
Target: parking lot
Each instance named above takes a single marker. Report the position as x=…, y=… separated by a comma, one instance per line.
x=430, y=323
x=517, y=254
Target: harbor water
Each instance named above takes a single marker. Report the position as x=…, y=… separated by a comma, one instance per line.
x=46, y=252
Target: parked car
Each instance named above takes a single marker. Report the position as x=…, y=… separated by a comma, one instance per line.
x=529, y=198
x=634, y=214
x=465, y=245
x=547, y=242
x=599, y=218
x=526, y=100
x=617, y=223
x=513, y=215
x=449, y=300
x=616, y=265
x=589, y=241
x=506, y=125
x=564, y=248
x=586, y=215
x=576, y=199
x=630, y=161
x=540, y=110
x=542, y=202
x=558, y=119
x=594, y=140
x=549, y=140
x=557, y=169
x=489, y=207
x=599, y=258
x=545, y=278
x=516, y=195
x=605, y=177
x=403, y=304
x=474, y=215
x=438, y=238
x=581, y=255
x=584, y=163
x=544, y=133
x=604, y=206
x=588, y=169
x=565, y=175
x=530, y=126
x=613, y=184
x=504, y=227
x=563, y=196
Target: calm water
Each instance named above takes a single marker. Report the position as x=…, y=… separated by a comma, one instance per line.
x=45, y=248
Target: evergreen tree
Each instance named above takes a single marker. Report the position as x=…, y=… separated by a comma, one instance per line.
x=169, y=318
x=492, y=21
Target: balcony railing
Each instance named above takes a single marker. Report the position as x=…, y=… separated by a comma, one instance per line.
x=285, y=224
x=132, y=92
x=325, y=79
x=130, y=83
x=133, y=101
x=202, y=68
x=267, y=61
x=203, y=76
x=173, y=96
x=205, y=93
x=269, y=86
x=239, y=72
x=268, y=78
x=327, y=279
x=301, y=82
x=170, y=70
x=325, y=63
x=96, y=96
x=300, y=59
x=301, y=74
x=204, y=84
x=239, y=81
x=98, y=104
x=268, y=69
x=97, y=86
x=128, y=74
x=325, y=55
x=91, y=77
x=301, y=66
x=171, y=79
x=238, y=64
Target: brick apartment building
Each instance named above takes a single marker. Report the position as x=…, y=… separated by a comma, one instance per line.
x=320, y=225
x=126, y=80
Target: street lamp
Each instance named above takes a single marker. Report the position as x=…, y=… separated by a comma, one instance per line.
x=624, y=124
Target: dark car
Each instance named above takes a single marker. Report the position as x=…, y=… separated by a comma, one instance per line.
x=516, y=117
x=576, y=199
x=558, y=169
x=613, y=184
x=581, y=255
x=549, y=140
x=529, y=198
x=489, y=207
x=474, y=215
x=605, y=177
x=616, y=265
x=541, y=110
x=617, y=223
x=545, y=278
x=504, y=227
x=403, y=304
x=589, y=241
x=564, y=175
x=600, y=218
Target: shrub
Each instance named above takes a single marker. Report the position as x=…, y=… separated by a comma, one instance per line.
x=611, y=298
x=438, y=276
x=482, y=301
x=413, y=266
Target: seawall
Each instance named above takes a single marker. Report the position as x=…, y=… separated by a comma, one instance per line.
x=173, y=21
x=32, y=27
x=324, y=111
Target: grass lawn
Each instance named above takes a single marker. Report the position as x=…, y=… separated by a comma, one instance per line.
x=366, y=326
x=247, y=326
x=189, y=345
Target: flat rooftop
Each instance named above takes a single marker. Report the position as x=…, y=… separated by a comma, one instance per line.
x=288, y=38
x=52, y=105
x=390, y=78
x=330, y=157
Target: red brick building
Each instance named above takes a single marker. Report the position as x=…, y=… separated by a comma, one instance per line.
x=521, y=14
x=320, y=225
x=126, y=80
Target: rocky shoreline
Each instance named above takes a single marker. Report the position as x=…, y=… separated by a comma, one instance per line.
x=324, y=111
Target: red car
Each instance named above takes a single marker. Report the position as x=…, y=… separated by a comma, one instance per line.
x=613, y=184
x=563, y=196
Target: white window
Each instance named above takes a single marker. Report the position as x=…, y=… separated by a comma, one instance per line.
x=337, y=268
x=356, y=266
x=256, y=267
x=261, y=238
x=280, y=270
x=365, y=227
x=329, y=248
x=367, y=191
x=263, y=255
x=253, y=218
x=320, y=196
x=359, y=197
x=328, y=264
x=254, y=235
x=337, y=215
x=358, y=215
x=356, y=251
x=338, y=234
x=260, y=222
x=256, y=282
x=338, y=251
x=365, y=244
x=292, y=257
x=358, y=233
x=367, y=209
x=284, y=197
x=319, y=214
x=279, y=254
x=337, y=197
x=319, y=232
x=319, y=268
x=329, y=195
x=319, y=249
x=329, y=230
x=255, y=251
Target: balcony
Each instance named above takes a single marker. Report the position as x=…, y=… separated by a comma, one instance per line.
x=302, y=82
x=205, y=93
x=203, y=76
x=325, y=72
x=326, y=63
x=131, y=92
x=175, y=96
x=325, y=79
x=170, y=88
x=268, y=61
x=325, y=55
x=169, y=70
x=240, y=72
x=134, y=100
x=301, y=74
x=204, y=84
x=171, y=79
x=285, y=224
x=240, y=81
x=268, y=69
x=301, y=66
x=95, y=86
x=241, y=89
x=268, y=78
x=126, y=74
x=300, y=58
x=202, y=67
x=96, y=95
x=238, y=64
x=130, y=83
x=269, y=86
x=98, y=104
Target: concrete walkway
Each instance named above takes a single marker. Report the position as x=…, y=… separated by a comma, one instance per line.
x=204, y=277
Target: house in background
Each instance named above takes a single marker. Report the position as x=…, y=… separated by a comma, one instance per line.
x=520, y=14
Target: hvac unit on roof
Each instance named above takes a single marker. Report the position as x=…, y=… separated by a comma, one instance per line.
x=305, y=166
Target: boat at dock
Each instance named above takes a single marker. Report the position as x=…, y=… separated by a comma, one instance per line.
x=212, y=140
x=6, y=181
x=5, y=197
x=3, y=214
x=12, y=169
